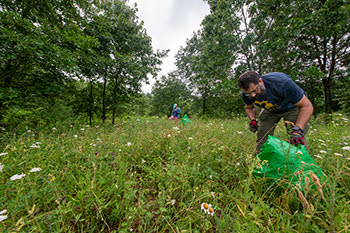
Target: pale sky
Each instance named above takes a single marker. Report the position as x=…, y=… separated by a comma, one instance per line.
x=169, y=23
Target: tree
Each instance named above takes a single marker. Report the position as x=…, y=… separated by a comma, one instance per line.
x=170, y=90
x=304, y=34
x=41, y=41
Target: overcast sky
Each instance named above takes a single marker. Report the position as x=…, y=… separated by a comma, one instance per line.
x=169, y=23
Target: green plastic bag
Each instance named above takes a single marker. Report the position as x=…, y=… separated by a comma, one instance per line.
x=283, y=161
x=185, y=120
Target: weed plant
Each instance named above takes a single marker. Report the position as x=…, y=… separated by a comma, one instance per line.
x=154, y=176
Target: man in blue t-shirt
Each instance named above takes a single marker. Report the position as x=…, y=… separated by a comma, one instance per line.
x=278, y=97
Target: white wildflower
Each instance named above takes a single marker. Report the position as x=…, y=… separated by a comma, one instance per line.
x=143, y=161
x=36, y=169
x=205, y=207
x=323, y=151
x=3, y=211
x=239, y=132
x=82, y=129
x=190, y=138
x=2, y=128
x=173, y=202
x=87, y=126
x=128, y=144
x=98, y=139
x=29, y=131
x=3, y=217
x=1, y=167
x=238, y=164
x=5, y=153
x=346, y=148
x=54, y=128
x=169, y=135
x=34, y=146
x=337, y=154
x=175, y=128
x=318, y=156
x=17, y=177
x=76, y=136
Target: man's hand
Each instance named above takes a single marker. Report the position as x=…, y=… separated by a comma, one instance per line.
x=253, y=126
x=296, y=137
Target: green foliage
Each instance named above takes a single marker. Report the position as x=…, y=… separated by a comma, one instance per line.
x=153, y=176
x=168, y=91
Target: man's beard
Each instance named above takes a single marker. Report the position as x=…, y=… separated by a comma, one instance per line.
x=262, y=95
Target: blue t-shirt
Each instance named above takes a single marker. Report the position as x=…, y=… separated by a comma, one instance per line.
x=281, y=93
x=176, y=113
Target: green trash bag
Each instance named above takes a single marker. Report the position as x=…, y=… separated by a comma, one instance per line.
x=185, y=120
x=288, y=165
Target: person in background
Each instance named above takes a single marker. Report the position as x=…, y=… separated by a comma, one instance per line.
x=176, y=113
x=278, y=96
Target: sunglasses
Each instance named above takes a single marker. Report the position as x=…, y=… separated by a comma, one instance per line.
x=252, y=92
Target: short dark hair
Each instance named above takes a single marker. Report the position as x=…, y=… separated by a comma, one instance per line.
x=247, y=78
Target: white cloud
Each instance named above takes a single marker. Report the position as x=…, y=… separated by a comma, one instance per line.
x=169, y=23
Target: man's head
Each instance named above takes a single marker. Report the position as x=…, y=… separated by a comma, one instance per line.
x=252, y=85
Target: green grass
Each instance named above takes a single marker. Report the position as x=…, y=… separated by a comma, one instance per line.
x=151, y=177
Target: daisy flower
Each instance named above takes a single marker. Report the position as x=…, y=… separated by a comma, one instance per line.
x=211, y=211
x=3, y=217
x=205, y=206
x=34, y=146
x=36, y=169
x=17, y=177
x=213, y=194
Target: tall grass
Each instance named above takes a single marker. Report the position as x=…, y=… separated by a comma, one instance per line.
x=153, y=176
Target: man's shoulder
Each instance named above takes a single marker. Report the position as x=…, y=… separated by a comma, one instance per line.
x=276, y=76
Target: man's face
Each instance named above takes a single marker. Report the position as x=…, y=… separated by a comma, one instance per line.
x=256, y=91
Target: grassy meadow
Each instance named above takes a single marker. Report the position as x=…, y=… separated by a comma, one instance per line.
x=155, y=176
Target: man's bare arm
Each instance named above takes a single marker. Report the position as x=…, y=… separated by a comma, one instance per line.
x=250, y=110
x=305, y=112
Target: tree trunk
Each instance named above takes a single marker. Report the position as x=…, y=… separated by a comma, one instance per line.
x=114, y=96
x=204, y=98
x=327, y=94
x=104, y=98
x=91, y=103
